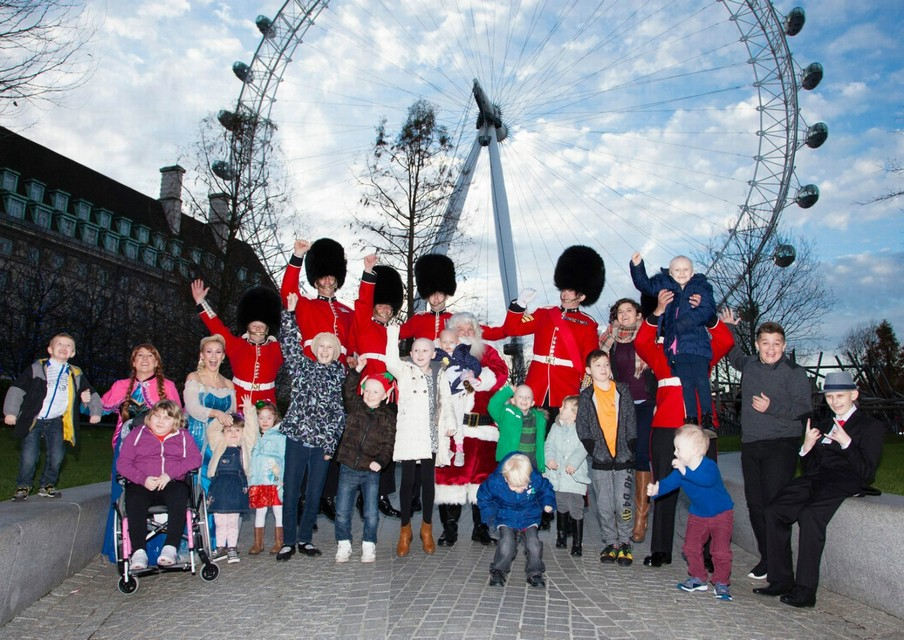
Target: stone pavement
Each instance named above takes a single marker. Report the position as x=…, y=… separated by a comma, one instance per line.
x=440, y=596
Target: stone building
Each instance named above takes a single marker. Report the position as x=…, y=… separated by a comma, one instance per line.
x=82, y=253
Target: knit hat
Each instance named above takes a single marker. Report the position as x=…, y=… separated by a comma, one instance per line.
x=326, y=257
x=434, y=273
x=581, y=269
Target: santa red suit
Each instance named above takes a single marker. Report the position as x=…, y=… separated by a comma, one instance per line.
x=320, y=314
x=254, y=366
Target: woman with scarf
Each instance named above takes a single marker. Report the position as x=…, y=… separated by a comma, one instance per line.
x=617, y=340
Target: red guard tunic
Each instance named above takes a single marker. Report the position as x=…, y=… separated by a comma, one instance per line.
x=317, y=315
x=426, y=324
x=254, y=366
x=369, y=335
x=557, y=367
x=458, y=485
x=670, y=411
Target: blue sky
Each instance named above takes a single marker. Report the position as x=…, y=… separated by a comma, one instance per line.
x=581, y=166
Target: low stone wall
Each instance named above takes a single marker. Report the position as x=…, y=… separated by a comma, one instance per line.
x=863, y=558
x=44, y=541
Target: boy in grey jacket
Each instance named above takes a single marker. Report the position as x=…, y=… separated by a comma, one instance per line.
x=607, y=427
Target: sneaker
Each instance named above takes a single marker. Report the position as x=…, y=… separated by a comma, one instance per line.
x=368, y=552
x=608, y=554
x=536, y=581
x=21, y=494
x=309, y=549
x=139, y=560
x=167, y=557
x=692, y=584
x=497, y=578
x=344, y=551
x=721, y=591
x=232, y=555
x=758, y=572
x=625, y=558
x=49, y=491
x=218, y=554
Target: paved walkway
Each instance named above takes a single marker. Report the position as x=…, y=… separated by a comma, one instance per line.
x=440, y=596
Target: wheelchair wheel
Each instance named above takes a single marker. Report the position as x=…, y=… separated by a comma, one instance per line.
x=210, y=572
x=129, y=586
x=118, y=537
x=203, y=523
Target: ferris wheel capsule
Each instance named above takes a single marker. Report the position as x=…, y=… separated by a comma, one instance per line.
x=807, y=196
x=817, y=134
x=265, y=26
x=784, y=255
x=812, y=76
x=243, y=72
x=795, y=20
x=223, y=170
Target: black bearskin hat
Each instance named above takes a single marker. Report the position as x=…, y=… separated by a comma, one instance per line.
x=648, y=305
x=434, y=272
x=389, y=289
x=326, y=257
x=259, y=304
x=582, y=269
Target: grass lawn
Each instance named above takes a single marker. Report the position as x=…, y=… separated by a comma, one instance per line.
x=87, y=463
x=889, y=477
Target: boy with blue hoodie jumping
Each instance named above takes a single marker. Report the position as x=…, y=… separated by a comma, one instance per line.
x=512, y=500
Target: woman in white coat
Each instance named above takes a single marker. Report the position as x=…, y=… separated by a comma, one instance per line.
x=425, y=422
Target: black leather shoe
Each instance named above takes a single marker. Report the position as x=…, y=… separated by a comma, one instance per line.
x=309, y=550
x=481, y=534
x=387, y=509
x=774, y=589
x=285, y=553
x=657, y=559
x=328, y=508
x=800, y=597
x=416, y=506
x=536, y=581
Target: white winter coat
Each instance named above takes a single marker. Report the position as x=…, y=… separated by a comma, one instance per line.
x=413, y=440
x=564, y=447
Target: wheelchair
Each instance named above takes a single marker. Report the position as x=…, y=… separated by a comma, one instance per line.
x=196, y=536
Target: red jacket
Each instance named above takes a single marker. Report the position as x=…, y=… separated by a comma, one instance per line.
x=562, y=342
x=254, y=366
x=369, y=336
x=426, y=324
x=317, y=315
x=670, y=411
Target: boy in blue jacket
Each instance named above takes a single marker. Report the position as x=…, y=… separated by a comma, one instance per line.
x=512, y=500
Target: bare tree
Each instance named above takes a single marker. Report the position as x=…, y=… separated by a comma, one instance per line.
x=44, y=50
x=797, y=297
x=406, y=186
x=256, y=188
x=874, y=348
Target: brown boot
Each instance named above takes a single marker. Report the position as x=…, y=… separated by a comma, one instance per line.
x=277, y=541
x=404, y=545
x=258, y=545
x=641, y=505
x=427, y=538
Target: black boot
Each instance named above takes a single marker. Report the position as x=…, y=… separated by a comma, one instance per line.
x=387, y=509
x=416, y=506
x=561, y=536
x=577, y=536
x=448, y=516
x=545, y=519
x=481, y=531
x=328, y=508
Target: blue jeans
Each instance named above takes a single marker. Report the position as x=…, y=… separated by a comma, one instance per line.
x=507, y=546
x=52, y=433
x=301, y=460
x=349, y=481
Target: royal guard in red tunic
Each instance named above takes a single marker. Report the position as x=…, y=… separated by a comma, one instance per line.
x=434, y=275
x=380, y=296
x=255, y=357
x=325, y=268
x=563, y=335
x=457, y=486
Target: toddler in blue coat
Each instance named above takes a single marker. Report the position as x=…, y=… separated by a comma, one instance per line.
x=512, y=500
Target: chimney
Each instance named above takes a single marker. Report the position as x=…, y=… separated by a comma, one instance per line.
x=218, y=217
x=171, y=196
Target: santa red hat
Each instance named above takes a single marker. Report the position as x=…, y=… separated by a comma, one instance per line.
x=386, y=380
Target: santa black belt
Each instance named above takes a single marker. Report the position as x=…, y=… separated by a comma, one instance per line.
x=477, y=420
